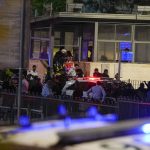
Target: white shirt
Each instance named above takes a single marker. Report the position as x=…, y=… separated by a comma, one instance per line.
x=72, y=72
x=34, y=73
x=97, y=92
x=68, y=84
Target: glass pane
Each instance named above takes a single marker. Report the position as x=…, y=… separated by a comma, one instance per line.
x=44, y=34
x=36, y=49
x=57, y=35
x=142, y=33
x=69, y=38
x=123, y=32
x=37, y=33
x=56, y=38
x=56, y=42
x=142, y=52
x=106, y=32
x=106, y=51
x=44, y=52
x=75, y=53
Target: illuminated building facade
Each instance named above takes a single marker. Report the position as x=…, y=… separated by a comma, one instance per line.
x=98, y=40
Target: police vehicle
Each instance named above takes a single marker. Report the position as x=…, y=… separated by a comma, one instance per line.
x=78, y=87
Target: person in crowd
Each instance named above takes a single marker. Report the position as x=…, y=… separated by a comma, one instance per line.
x=97, y=73
x=148, y=90
x=33, y=72
x=142, y=88
x=32, y=78
x=56, y=86
x=68, y=83
x=48, y=74
x=72, y=72
x=105, y=73
x=97, y=92
x=25, y=85
x=129, y=90
x=38, y=87
x=59, y=59
x=141, y=91
x=69, y=65
x=69, y=56
x=47, y=89
x=117, y=76
x=79, y=72
x=147, y=84
x=32, y=85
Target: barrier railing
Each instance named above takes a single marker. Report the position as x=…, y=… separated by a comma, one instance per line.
x=129, y=109
x=41, y=107
x=135, y=83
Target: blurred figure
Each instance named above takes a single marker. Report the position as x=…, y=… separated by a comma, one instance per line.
x=38, y=87
x=105, y=73
x=141, y=88
x=72, y=72
x=129, y=90
x=59, y=59
x=33, y=72
x=25, y=85
x=117, y=76
x=141, y=91
x=47, y=89
x=69, y=56
x=148, y=90
x=48, y=74
x=97, y=73
x=79, y=72
x=97, y=92
x=147, y=84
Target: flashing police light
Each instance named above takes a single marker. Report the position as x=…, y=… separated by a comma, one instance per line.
x=92, y=112
x=67, y=122
x=111, y=117
x=24, y=121
x=92, y=78
x=62, y=110
x=146, y=128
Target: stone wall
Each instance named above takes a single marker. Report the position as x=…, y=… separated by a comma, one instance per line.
x=10, y=29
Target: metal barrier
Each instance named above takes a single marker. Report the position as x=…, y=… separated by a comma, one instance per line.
x=133, y=109
x=135, y=83
x=41, y=107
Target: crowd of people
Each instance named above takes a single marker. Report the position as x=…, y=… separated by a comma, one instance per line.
x=33, y=85
x=53, y=84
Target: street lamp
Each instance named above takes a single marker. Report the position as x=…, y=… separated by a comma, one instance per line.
x=21, y=52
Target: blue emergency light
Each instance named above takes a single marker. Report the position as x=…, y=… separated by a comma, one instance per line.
x=146, y=128
x=62, y=110
x=24, y=121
